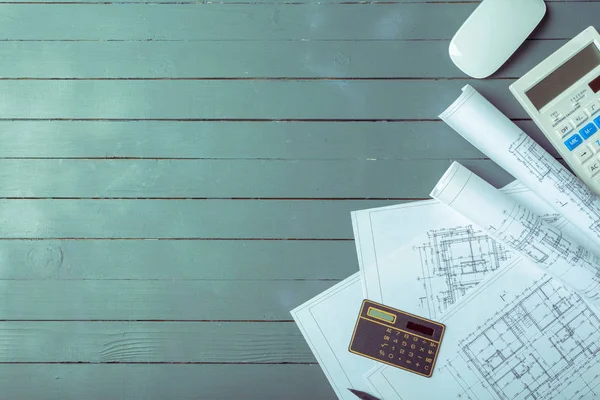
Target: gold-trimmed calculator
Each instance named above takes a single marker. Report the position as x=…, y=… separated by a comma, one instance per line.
x=397, y=338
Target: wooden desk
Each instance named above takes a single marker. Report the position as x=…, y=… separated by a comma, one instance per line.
x=176, y=177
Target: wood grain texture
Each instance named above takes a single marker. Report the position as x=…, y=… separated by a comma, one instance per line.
x=399, y=21
x=139, y=342
x=264, y=59
x=208, y=100
x=241, y=140
x=177, y=260
x=230, y=178
x=271, y=99
x=155, y=300
x=159, y=382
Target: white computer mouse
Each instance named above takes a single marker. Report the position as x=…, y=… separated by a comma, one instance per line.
x=492, y=33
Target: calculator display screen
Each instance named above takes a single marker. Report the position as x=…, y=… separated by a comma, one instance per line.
x=595, y=85
x=564, y=76
x=420, y=328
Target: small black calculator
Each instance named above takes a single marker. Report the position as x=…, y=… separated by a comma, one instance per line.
x=397, y=338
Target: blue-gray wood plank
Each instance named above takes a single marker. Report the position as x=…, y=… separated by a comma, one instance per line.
x=176, y=176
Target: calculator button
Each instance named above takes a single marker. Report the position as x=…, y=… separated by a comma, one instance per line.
x=594, y=143
x=573, y=142
x=593, y=168
x=588, y=130
x=593, y=108
x=597, y=121
x=579, y=118
x=564, y=130
x=583, y=154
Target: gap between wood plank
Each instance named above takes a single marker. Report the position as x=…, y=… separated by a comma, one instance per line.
x=111, y=158
x=231, y=120
x=172, y=279
x=257, y=78
x=221, y=198
x=157, y=362
x=246, y=40
x=121, y=158
x=181, y=238
x=266, y=321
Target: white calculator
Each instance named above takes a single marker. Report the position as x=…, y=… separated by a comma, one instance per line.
x=562, y=96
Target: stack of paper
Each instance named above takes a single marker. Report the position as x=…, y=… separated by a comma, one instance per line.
x=512, y=273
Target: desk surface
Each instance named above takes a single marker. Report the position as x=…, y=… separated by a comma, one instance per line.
x=175, y=177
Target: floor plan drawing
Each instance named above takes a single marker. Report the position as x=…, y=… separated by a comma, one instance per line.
x=543, y=345
x=520, y=229
x=511, y=148
x=453, y=261
x=543, y=166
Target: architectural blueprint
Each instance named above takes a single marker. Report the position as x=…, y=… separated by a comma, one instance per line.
x=514, y=275
x=444, y=257
x=453, y=261
x=537, y=335
x=541, y=343
x=535, y=339
x=526, y=343
x=520, y=229
x=376, y=234
x=484, y=126
x=444, y=252
x=326, y=321
x=438, y=267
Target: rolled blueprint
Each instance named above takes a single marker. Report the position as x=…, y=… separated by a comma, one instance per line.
x=486, y=128
x=519, y=229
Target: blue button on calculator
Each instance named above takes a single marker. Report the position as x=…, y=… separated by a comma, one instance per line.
x=573, y=142
x=597, y=121
x=588, y=130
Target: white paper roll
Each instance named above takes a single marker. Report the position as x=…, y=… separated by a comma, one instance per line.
x=519, y=229
x=486, y=128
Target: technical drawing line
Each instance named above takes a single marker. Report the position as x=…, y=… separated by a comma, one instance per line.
x=520, y=230
x=496, y=136
x=453, y=261
x=539, y=346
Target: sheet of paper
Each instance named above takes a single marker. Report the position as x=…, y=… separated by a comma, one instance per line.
x=458, y=250
x=518, y=228
x=383, y=229
x=329, y=337
x=449, y=257
x=484, y=126
x=379, y=231
x=327, y=322
x=534, y=338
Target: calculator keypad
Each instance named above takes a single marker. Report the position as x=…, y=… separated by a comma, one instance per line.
x=406, y=350
x=396, y=338
x=587, y=134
